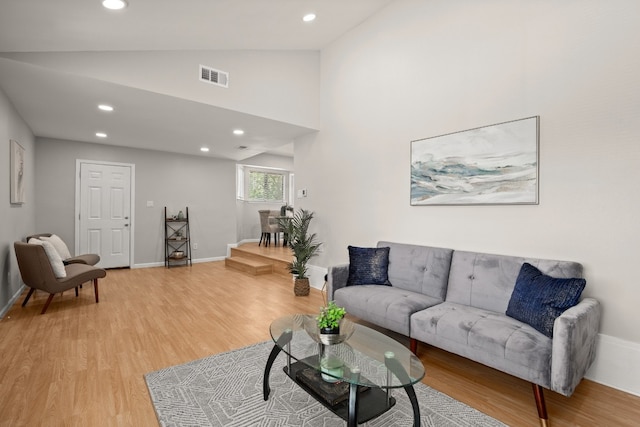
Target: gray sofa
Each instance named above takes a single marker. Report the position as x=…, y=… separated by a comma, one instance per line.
x=456, y=300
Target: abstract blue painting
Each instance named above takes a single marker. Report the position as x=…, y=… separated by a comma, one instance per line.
x=496, y=164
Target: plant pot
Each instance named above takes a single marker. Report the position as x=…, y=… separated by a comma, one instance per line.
x=301, y=287
x=330, y=336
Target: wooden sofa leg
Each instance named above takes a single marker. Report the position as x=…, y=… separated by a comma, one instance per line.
x=413, y=345
x=46, y=304
x=542, y=407
x=95, y=289
x=31, y=291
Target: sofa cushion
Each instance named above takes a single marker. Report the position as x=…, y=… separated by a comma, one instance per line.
x=486, y=281
x=368, y=266
x=487, y=337
x=385, y=306
x=420, y=269
x=539, y=299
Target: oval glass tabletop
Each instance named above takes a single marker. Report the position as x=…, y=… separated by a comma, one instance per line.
x=364, y=357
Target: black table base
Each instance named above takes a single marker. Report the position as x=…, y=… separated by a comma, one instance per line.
x=360, y=407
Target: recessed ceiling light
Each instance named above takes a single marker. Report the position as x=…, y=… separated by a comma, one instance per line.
x=105, y=107
x=101, y=134
x=309, y=17
x=114, y=4
x=204, y=149
x=238, y=132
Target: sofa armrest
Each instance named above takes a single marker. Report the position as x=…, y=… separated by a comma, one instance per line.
x=575, y=335
x=337, y=278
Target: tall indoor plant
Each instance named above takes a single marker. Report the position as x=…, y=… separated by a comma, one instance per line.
x=304, y=246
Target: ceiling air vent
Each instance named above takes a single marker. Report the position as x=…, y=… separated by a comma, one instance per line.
x=213, y=76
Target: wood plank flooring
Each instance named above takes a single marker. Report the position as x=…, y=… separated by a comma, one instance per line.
x=82, y=363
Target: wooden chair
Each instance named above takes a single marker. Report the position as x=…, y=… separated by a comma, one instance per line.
x=37, y=273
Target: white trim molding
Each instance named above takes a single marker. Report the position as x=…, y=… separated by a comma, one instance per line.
x=617, y=364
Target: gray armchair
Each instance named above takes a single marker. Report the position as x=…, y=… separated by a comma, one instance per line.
x=37, y=273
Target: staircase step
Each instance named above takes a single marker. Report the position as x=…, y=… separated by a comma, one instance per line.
x=280, y=266
x=247, y=265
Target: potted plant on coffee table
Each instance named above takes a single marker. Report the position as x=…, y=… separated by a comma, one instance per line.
x=303, y=245
x=329, y=322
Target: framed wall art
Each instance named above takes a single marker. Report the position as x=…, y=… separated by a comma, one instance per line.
x=16, y=170
x=489, y=165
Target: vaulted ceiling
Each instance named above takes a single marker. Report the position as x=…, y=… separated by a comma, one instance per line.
x=35, y=36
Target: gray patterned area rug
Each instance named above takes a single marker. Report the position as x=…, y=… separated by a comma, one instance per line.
x=226, y=390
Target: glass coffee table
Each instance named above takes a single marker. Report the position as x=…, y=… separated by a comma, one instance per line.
x=353, y=378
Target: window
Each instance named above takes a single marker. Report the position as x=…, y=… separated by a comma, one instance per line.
x=262, y=185
x=266, y=186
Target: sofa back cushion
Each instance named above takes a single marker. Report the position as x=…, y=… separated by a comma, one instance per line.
x=421, y=269
x=486, y=281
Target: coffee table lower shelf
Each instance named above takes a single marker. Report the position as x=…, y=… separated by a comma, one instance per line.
x=372, y=402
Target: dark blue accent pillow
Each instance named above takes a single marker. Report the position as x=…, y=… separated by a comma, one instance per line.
x=538, y=299
x=368, y=266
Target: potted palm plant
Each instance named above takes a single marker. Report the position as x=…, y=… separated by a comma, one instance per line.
x=304, y=247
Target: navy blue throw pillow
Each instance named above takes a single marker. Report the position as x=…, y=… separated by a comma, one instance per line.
x=368, y=266
x=538, y=299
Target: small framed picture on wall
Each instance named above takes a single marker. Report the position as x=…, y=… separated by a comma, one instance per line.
x=17, y=169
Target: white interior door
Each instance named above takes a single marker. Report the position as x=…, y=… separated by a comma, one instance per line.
x=104, y=217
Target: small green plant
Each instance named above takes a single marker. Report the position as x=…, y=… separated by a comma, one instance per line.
x=330, y=316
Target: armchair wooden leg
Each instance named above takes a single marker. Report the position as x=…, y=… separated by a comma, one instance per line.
x=31, y=291
x=540, y=404
x=76, y=291
x=46, y=304
x=95, y=289
x=413, y=346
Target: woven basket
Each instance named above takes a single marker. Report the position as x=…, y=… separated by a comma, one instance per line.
x=301, y=287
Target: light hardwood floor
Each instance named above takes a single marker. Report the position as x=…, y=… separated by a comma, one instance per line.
x=82, y=363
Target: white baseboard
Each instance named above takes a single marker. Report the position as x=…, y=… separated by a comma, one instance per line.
x=161, y=264
x=148, y=265
x=12, y=301
x=617, y=364
x=316, y=276
x=199, y=260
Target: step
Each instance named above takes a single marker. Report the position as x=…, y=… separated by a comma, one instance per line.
x=250, y=266
x=280, y=266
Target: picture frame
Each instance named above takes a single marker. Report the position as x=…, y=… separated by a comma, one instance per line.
x=17, y=171
x=489, y=165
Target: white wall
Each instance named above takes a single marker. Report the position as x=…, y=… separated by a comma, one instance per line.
x=205, y=185
x=17, y=221
x=279, y=85
x=420, y=69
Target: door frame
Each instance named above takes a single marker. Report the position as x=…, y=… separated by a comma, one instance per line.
x=132, y=183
